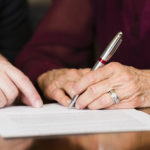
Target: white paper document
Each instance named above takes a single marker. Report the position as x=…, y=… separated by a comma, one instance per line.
x=53, y=119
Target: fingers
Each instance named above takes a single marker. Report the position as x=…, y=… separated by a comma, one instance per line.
x=25, y=86
x=8, y=88
x=59, y=95
x=92, y=93
x=69, y=84
x=68, y=87
x=3, y=100
x=60, y=81
x=102, y=102
x=105, y=101
x=91, y=78
x=126, y=104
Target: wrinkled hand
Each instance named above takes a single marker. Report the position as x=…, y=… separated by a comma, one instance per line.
x=14, y=83
x=130, y=84
x=57, y=84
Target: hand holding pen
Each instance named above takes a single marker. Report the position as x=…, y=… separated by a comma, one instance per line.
x=57, y=84
x=107, y=54
x=113, y=86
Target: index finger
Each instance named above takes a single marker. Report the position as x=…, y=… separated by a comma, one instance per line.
x=91, y=78
x=25, y=86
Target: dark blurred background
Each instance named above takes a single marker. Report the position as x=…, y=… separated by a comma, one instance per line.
x=37, y=9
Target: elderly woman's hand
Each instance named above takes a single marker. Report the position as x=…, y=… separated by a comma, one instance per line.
x=57, y=84
x=131, y=85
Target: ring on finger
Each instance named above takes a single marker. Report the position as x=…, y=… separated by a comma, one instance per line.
x=114, y=96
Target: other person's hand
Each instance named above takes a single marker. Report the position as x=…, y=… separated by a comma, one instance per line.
x=14, y=83
x=57, y=84
x=131, y=85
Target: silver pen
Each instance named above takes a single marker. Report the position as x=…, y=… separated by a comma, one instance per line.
x=106, y=55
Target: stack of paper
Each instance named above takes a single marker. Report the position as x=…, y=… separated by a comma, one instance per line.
x=53, y=119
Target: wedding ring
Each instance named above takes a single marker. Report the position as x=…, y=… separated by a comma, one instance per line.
x=114, y=96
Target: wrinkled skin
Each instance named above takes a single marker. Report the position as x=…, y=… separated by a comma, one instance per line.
x=131, y=85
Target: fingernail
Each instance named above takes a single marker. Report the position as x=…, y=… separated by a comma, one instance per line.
x=77, y=106
x=68, y=101
x=38, y=104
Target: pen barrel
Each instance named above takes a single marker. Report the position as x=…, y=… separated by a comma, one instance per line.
x=73, y=101
x=112, y=47
x=97, y=65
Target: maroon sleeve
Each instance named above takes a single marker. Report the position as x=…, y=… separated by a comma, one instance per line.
x=63, y=39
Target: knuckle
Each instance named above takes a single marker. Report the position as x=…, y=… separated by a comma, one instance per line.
x=114, y=66
x=92, y=90
x=49, y=89
x=54, y=93
x=126, y=76
x=56, y=84
x=91, y=77
x=24, y=79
